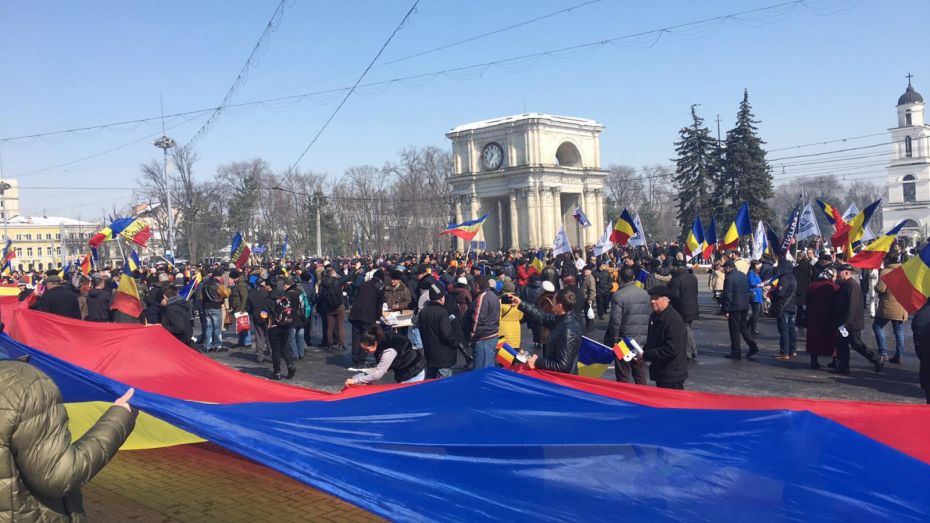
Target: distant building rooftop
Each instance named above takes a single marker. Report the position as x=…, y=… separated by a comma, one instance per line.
x=525, y=116
x=46, y=221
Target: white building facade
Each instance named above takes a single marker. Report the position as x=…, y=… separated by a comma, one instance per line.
x=909, y=171
x=529, y=172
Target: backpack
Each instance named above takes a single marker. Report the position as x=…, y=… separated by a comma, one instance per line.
x=304, y=309
x=283, y=313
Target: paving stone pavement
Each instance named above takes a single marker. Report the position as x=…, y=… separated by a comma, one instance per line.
x=194, y=483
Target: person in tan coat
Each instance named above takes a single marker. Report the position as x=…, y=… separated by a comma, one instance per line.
x=889, y=310
x=42, y=471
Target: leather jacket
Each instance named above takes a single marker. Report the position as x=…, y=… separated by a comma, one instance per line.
x=561, y=351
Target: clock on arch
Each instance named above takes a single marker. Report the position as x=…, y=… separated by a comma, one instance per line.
x=492, y=156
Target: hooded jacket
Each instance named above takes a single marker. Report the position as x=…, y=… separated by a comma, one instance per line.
x=43, y=472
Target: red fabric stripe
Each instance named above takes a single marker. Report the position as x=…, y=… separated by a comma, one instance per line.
x=883, y=422
x=126, y=304
x=868, y=259
x=904, y=291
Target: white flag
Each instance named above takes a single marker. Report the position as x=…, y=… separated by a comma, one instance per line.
x=807, y=224
x=848, y=217
x=638, y=239
x=759, y=241
x=603, y=243
x=561, y=244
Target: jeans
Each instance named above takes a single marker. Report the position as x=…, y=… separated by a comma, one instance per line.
x=414, y=336
x=436, y=372
x=692, y=347
x=295, y=342
x=787, y=333
x=214, y=333
x=484, y=353
x=754, y=319
x=878, y=327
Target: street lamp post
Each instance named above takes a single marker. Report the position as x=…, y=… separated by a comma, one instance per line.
x=164, y=143
x=4, y=187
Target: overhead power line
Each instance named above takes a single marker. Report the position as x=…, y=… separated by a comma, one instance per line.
x=352, y=90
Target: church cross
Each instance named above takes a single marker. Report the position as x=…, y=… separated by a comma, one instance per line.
x=909, y=76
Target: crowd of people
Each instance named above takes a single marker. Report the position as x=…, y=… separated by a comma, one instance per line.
x=465, y=305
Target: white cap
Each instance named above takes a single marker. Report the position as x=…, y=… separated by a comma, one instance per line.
x=461, y=280
x=548, y=286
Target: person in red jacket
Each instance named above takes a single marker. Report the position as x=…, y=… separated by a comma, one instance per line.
x=523, y=273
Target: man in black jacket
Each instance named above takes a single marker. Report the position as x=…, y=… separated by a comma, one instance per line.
x=98, y=300
x=366, y=309
x=850, y=318
x=177, y=316
x=803, y=274
x=785, y=306
x=58, y=298
x=439, y=338
x=254, y=305
x=561, y=351
x=735, y=304
x=273, y=309
x=665, y=348
x=684, y=298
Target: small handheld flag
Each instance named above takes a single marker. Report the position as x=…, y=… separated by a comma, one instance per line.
x=695, y=240
x=641, y=279
x=188, y=291
x=581, y=218
x=627, y=349
x=507, y=355
x=239, y=251
x=593, y=358
x=872, y=256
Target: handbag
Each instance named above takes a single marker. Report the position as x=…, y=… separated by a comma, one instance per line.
x=242, y=322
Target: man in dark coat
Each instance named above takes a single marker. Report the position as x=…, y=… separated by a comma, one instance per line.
x=629, y=317
x=666, y=342
x=561, y=351
x=177, y=316
x=735, y=304
x=785, y=307
x=604, y=283
x=439, y=339
x=849, y=318
x=684, y=298
x=259, y=324
x=58, y=298
x=803, y=275
x=98, y=300
x=366, y=309
x=920, y=324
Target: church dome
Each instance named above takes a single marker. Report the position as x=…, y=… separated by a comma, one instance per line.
x=910, y=96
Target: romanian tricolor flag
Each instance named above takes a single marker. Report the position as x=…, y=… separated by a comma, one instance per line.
x=910, y=283
x=772, y=282
x=641, y=279
x=133, y=261
x=872, y=256
x=695, y=240
x=8, y=254
x=624, y=229
x=507, y=355
x=852, y=235
x=593, y=358
x=537, y=265
x=137, y=232
x=108, y=233
x=741, y=226
x=833, y=214
x=466, y=230
x=710, y=238
x=627, y=349
x=188, y=291
x=86, y=264
x=126, y=298
x=239, y=251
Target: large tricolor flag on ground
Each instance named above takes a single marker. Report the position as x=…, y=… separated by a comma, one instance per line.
x=741, y=226
x=465, y=445
x=910, y=283
x=874, y=254
x=466, y=230
x=695, y=240
x=624, y=229
x=239, y=251
x=710, y=238
x=593, y=358
x=126, y=298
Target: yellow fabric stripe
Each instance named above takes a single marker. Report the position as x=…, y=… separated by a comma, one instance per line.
x=150, y=432
x=732, y=234
x=595, y=370
x=918, y=274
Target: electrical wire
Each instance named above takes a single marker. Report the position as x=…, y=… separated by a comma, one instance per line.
x=357, y=82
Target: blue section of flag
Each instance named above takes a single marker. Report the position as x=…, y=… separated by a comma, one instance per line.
x=591, y=352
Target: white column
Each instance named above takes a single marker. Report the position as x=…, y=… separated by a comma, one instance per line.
x=459, y=243
x=547, y=218
x=600, y=222
x=590, y=208
x=542, y=229
x=556, y=211
x=532, y=216
x=514, y=221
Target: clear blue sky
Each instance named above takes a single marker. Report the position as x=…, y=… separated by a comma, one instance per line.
x=811, y=77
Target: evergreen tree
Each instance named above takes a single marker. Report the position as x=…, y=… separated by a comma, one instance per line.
x=745, y=175
x=695, y=170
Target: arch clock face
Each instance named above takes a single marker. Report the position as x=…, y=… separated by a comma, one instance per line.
x=492, y=156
